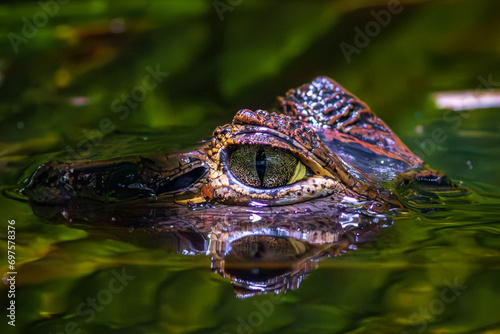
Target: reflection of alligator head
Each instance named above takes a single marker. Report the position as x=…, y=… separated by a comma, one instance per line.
x=265, y=196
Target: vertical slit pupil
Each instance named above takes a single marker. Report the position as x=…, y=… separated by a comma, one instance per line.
x=260, y=164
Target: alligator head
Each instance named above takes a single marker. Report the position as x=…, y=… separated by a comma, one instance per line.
x=268, y=190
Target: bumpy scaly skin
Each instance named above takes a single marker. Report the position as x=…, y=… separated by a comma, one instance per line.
x=324, y=103
x=114, y=180
x=347, y=149
x=301, y=139
x=246, y=123
x=354, y=163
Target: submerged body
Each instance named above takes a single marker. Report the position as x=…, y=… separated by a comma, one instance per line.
x=308, y=175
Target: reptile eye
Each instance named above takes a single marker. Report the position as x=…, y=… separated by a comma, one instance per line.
x=261, y=166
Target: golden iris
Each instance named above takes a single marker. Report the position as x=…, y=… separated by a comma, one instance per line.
x=261, y=166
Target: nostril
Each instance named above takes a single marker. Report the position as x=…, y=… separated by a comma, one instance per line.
x=48, y=185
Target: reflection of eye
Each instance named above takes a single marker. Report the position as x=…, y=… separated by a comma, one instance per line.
x=261, y=166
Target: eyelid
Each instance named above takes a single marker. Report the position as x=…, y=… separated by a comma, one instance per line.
x=319, y=180
x=299, y=173
x=285, y=195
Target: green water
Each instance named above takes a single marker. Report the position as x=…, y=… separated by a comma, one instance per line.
x=434, y=272
x=427, y=273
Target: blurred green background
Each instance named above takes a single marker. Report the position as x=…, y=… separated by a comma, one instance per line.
x=69, y=71
x=64, y=67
